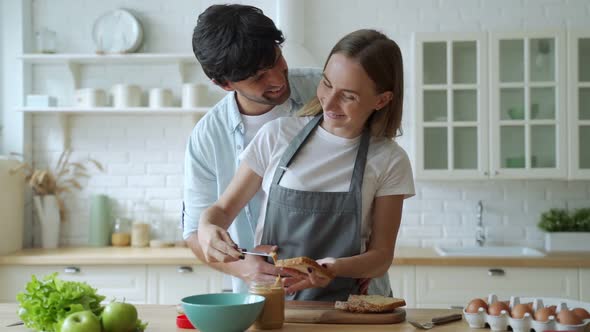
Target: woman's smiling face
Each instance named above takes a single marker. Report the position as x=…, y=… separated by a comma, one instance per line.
x=348, y=96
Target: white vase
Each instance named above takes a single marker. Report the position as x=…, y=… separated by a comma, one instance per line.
x=48, y=213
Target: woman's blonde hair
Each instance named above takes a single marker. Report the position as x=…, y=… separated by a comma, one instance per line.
x=381, y=58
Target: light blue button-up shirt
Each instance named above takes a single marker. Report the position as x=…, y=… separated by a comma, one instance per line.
x=211, y=159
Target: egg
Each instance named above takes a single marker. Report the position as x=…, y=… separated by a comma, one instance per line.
x=495, y=309
x=475, y=304
x=542, y=314
x=567, y=317
x=519, y=310
x=581, y=313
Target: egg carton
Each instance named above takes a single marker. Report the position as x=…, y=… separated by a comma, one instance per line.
x=502, y=322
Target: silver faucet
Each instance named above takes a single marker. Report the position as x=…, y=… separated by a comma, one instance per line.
x=480, y=237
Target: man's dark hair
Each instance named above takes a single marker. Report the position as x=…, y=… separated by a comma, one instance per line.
x=233, y=42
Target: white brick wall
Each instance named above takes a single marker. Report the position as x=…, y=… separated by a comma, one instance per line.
x=143, y=155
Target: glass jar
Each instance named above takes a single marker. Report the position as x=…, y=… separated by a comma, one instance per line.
x=140, y=234
x=121, y=236
x=273, y=312
x=46, y=40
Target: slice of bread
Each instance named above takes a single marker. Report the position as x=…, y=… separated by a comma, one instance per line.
x=369, y=303
x=302, y=264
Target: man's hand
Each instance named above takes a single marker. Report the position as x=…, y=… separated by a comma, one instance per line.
x=217, y=245
x=257, y=266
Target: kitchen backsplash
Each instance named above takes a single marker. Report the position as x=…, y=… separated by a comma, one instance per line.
x=143, y=158
x=143, y=155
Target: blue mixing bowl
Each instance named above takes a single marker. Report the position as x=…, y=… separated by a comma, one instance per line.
x=222, y=312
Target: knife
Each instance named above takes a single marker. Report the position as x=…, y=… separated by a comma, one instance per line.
x=246, y=252
x=15, y=324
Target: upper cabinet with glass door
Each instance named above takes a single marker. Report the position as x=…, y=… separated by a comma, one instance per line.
x=451, y=117
x=579, y=104
x=528, y=114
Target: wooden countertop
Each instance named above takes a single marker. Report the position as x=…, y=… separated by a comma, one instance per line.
x=183, y=256
x=161, y=318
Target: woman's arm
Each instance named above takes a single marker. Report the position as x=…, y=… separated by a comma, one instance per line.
x=215, y=242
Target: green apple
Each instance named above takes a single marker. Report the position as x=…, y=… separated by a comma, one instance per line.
x=81, y=321
x=119, y=317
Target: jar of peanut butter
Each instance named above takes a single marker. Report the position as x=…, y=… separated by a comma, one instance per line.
x=273, y=312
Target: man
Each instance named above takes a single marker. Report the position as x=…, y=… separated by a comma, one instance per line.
x=238, y=48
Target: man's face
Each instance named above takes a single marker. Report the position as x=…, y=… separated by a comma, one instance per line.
x=268, y=87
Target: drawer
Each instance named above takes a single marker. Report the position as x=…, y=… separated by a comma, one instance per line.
x=441, y=287
x=120, y=282
x=168, y=284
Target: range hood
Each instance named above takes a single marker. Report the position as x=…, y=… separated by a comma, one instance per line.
x=291, y=20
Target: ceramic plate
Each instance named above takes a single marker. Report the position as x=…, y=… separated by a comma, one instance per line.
x=117, y=31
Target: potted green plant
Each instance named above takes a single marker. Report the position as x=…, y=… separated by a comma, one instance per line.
x=566, y=230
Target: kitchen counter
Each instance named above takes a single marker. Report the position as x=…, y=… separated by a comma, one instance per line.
x=161, y=318
x=183, y=256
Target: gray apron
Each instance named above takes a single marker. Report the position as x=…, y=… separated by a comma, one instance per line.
x=317, y=224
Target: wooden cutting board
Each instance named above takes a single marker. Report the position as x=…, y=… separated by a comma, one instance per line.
x=324, y=313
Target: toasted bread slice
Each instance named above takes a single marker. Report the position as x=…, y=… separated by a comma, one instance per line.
x=302, y=264
x=370, y=303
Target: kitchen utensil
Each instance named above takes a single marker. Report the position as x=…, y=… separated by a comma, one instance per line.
x=15, y=324
x=436, y=321
x=117, y=31
x=320, y=312
x=255, y=253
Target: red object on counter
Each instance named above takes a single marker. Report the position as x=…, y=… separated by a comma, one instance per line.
x=183, y=322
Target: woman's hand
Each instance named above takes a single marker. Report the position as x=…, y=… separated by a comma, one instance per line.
x=314, y=279
x=217, y=245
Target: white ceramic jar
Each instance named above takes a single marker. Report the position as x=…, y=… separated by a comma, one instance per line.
x=89, y=97
x=193, y=95
x=159, y=98
x=126, y=95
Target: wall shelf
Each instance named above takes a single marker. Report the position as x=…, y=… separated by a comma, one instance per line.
x=64, y=113
x=73, y=61
x=89, y=58
x=115, y=111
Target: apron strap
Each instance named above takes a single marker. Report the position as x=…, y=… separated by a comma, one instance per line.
x=294, y=146
x=358, y=172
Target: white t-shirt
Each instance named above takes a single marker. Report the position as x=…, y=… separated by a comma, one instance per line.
x=325, y=163
x=252, y=123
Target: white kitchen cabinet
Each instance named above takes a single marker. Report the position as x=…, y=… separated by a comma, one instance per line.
x=442, y=287
x=120, y=282
x=528, y=105
x=579, y=104
x=403, y=283
x=168, y=284
x=585, y=285
x=451, y=103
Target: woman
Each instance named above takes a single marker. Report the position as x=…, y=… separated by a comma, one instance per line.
x=333, y=180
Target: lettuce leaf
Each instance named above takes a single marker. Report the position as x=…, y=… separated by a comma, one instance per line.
x=45, y=303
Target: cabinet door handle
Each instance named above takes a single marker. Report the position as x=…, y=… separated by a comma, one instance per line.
x=496, y=272
x=72, y=270
x=185, y=269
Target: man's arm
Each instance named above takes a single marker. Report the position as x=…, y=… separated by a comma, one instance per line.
x=200, y=192
x=244, y=269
